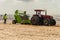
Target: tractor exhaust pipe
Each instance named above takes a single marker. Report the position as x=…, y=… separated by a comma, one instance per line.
x=45, y=12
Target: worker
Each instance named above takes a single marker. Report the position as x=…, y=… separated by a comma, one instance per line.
x=25, y=17
x=5, y=18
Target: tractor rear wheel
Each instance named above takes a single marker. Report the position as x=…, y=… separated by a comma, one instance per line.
x=35, y=20
x=46, y=22
x=14, y=22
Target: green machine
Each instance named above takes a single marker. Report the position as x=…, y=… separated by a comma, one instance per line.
x=20, y=17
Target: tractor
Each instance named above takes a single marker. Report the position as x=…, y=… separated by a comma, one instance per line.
x=21, y=17
x=40, y=19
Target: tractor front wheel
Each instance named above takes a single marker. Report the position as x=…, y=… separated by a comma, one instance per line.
x=14, y=22
x=53, y=22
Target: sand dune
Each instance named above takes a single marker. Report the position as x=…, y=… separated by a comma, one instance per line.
x=11, y=31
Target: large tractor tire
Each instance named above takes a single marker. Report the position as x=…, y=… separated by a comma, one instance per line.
x=53, y=22
x=46, y=22
x=14, y=22
x=35, y=20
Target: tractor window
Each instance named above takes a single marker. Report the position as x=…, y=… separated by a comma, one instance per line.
x=38, y=13
x=43, y=13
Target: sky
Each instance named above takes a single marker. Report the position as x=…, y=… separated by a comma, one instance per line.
x=9, y=6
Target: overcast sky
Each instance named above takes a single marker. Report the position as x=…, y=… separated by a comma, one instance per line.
x=9, y=6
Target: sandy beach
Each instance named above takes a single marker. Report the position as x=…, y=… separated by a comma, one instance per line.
x=11, y=31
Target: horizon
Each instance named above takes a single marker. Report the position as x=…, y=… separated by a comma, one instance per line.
x=11, y=17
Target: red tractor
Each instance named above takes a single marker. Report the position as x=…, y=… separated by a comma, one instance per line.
x=39, y=19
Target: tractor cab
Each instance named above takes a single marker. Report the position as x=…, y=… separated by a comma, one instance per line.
x=39, y=12
x=43, y=13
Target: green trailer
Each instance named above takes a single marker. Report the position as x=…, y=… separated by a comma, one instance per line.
x=21, y=17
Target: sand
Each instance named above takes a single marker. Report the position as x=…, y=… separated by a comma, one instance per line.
x=11, y=31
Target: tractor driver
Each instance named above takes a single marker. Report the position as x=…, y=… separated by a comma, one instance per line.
x=39, y=14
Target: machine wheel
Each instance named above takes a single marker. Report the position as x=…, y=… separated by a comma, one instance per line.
x=53, y=22
x=35, y=20
x=14, y=22
x=46, y=22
